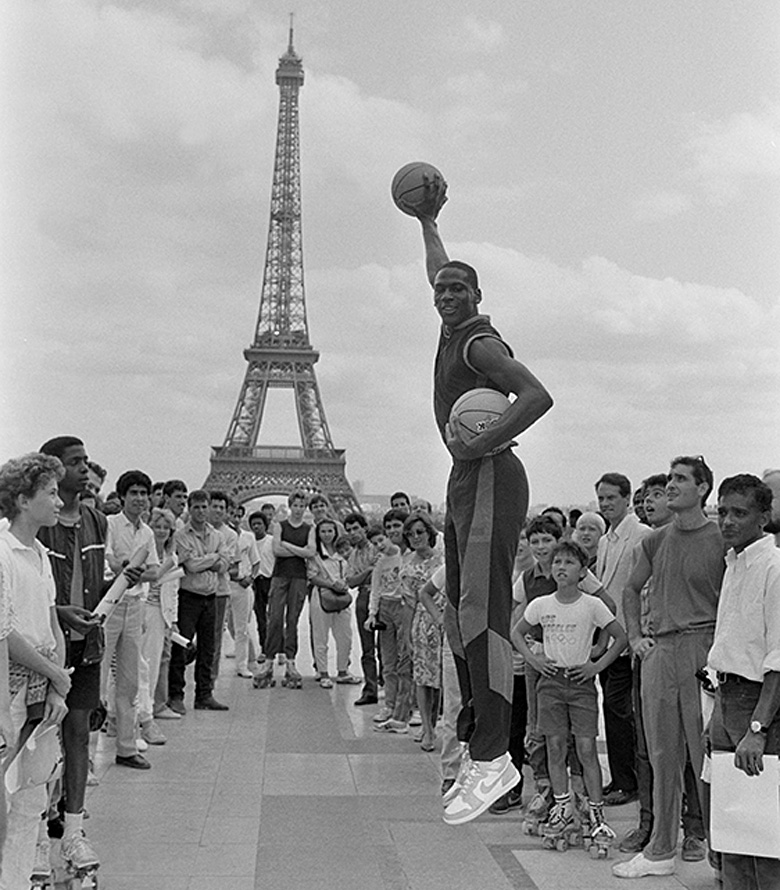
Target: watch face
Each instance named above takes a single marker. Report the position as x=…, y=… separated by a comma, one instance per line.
x=755, y=726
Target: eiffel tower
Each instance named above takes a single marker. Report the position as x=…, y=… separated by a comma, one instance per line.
x=281, y=355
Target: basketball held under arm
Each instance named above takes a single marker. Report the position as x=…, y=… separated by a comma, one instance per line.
x=490, y=357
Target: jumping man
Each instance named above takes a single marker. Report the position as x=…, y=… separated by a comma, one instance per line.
x=487, y=499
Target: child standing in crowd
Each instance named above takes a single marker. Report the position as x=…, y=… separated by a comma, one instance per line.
x=386, y=612
x=543, y=534
x=566, y=691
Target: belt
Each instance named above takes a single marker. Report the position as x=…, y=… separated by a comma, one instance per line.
x=684, y=631
x=736, y=678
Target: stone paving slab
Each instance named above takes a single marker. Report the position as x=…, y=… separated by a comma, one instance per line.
x=292, y=789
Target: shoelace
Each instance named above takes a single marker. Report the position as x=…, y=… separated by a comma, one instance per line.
x=471, y=775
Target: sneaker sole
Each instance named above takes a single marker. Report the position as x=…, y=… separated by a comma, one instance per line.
x=508, y=781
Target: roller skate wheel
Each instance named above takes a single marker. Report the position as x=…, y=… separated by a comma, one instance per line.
x=548, y=843
x=561, y=845
x=528, y=828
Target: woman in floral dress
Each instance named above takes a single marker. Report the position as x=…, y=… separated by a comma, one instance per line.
x=421, y=561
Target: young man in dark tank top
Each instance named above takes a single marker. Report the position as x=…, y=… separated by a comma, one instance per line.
x=293, y=544
x=487, y=499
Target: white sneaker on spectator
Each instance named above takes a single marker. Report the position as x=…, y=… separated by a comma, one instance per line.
x=382, y=715
x=640, y=866
x=167, y=714
x=151, y=734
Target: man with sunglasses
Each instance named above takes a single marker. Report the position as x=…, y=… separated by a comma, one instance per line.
x=685, y=560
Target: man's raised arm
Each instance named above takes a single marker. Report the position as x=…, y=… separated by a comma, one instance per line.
x=435, y=252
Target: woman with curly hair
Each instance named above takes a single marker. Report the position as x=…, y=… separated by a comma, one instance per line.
x=37, y=681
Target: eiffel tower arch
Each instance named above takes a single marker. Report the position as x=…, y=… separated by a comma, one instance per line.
x=281, y=355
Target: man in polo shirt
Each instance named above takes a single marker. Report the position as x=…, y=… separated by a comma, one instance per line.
x=614, y=561
x=127, y=534
x=202, y=556
x=218, y=513
x=746, y=654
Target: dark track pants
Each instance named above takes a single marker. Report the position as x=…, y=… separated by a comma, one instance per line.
x=487, y=501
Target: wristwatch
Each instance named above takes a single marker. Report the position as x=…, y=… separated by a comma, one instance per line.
x=757, y=727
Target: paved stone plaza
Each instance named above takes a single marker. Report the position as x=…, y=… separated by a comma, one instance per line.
x=292, y=790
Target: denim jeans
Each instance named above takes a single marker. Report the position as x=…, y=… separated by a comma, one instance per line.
x=395, y=642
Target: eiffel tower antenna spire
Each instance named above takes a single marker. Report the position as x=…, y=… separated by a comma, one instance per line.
x=281, y=355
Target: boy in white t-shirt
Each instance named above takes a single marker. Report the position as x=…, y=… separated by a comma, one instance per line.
x=566, y=692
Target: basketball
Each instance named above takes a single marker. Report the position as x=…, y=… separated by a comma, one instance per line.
x=478, y=409
x=408, y=186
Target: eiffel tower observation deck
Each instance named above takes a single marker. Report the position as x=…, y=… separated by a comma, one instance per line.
x=281, y=355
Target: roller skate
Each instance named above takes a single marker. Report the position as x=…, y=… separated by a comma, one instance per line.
x=538, y=810
x=81, y=861
x=582, y=806
x=292, y=679
x=265, y=676
x=600, y=836
x=562, y=830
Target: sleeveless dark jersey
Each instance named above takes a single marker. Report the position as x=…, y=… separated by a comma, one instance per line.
x=292, y=566
x=452, y=375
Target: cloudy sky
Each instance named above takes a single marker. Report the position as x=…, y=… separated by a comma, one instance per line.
x=613, y=170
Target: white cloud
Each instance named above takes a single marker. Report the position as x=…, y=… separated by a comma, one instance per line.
x=481, y=35
x=661, y=206
x=134, y=258
x=361, y=138
x=728, y=154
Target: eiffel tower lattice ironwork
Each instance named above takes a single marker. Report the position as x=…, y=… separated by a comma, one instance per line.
x=281, y=355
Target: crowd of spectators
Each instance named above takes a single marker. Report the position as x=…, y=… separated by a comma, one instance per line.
x=105, y=601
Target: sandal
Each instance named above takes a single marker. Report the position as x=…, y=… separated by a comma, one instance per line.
x=326, y=683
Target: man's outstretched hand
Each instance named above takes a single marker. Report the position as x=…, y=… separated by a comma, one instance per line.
x=434, y=199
